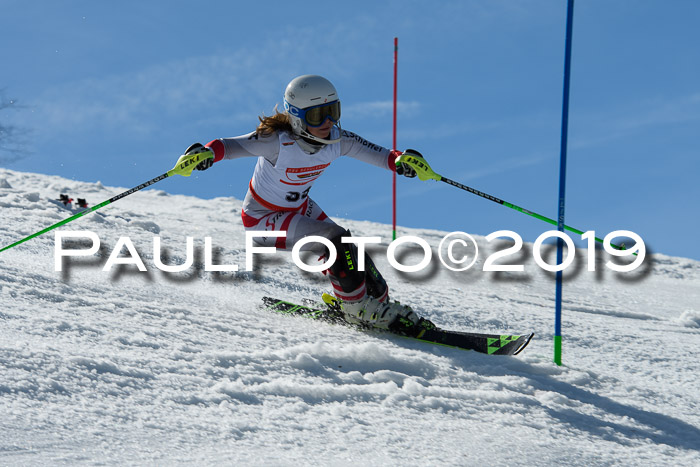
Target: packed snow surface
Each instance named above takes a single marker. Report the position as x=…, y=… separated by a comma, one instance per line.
x=131, y=367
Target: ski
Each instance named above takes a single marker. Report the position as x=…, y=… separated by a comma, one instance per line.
x=491, y=344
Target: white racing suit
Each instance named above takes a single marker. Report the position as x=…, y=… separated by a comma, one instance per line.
x=278, y=193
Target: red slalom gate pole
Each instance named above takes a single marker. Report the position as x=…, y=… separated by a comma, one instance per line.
x=396, y=59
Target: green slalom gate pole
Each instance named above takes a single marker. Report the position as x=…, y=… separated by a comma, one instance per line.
x=424, y=172
x=184, y=166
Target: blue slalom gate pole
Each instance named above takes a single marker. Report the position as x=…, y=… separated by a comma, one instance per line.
x=562, y=179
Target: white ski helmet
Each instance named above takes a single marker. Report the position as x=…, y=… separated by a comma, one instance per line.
x=309, y=100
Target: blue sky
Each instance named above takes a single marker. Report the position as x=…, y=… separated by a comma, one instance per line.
x=115, y=91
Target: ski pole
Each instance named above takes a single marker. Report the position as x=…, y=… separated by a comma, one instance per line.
x=424, y=172
x=184, y=166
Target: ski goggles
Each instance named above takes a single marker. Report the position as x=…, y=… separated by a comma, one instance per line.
x=316, y=116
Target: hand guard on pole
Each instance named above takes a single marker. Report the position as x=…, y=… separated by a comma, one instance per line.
x=198, y=148
x=405, y=169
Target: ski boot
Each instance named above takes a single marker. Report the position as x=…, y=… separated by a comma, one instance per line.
x=401, y=318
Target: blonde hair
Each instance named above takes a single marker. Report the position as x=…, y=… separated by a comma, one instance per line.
x=277, y=122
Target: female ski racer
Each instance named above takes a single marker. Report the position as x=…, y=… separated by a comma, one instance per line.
x=294, y=148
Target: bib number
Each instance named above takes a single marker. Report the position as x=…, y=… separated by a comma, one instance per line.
x=294, y=196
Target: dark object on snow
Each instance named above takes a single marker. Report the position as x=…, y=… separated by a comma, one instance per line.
x=65, y=199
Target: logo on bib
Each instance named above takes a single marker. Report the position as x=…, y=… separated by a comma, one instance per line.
x=303, y=175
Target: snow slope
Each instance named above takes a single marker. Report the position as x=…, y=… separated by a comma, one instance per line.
x=153, y=367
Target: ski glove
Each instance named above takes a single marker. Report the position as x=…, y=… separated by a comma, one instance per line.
x=405, y=169
x=197, y=148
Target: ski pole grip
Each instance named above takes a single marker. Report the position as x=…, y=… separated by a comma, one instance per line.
x=186, y=163
x=421, y=167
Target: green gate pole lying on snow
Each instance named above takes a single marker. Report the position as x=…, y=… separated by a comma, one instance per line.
x=184, y=166
x=424, y=172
